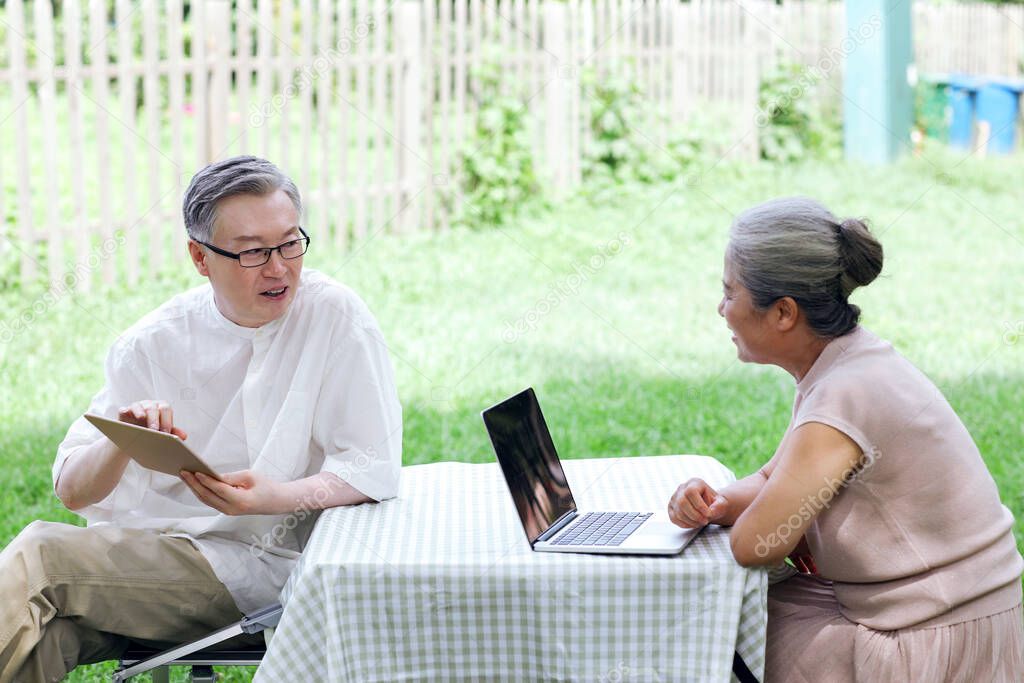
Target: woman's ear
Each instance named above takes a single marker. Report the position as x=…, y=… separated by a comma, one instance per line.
x=786, y=314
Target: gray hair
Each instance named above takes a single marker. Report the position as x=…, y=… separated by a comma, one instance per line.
x=795, y=247
x=222, y=179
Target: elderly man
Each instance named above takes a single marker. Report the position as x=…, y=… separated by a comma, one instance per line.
x=277, y=376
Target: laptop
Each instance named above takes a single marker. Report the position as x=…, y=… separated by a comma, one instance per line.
x=544, y=502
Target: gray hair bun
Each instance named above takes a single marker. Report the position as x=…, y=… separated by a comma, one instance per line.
x=860, y=254
x=795, y=247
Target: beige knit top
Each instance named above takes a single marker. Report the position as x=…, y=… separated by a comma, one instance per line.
x=918, y=537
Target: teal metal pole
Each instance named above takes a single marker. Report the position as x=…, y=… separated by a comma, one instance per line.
x=878, y=102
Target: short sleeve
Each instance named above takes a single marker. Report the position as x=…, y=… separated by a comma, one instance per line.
x=843, y=405
x=358, y=419
x=124, y=384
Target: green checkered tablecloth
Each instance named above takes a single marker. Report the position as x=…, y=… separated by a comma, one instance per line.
x=440, y=584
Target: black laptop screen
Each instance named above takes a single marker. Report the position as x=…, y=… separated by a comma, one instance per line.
x=529, y=462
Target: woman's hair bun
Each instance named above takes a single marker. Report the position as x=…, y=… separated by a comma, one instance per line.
x=860, y=253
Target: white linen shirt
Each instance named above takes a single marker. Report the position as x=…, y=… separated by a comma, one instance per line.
x=309, y=392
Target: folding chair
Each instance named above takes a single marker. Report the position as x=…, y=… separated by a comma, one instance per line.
x=202, y=654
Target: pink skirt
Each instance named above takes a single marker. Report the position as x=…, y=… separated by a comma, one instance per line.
x=810, y=641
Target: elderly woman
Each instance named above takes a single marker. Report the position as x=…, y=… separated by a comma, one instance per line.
x=909, y=567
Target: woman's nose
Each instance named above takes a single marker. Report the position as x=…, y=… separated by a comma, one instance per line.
x=721, y=307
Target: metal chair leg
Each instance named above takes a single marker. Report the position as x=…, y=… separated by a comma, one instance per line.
x=162, y=674
x=257, y=622
x=202, y=673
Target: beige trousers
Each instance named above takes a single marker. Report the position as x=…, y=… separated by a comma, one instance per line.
x=72, y=595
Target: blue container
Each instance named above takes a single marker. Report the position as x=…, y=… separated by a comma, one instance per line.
x=998, y=106
x=962, y=94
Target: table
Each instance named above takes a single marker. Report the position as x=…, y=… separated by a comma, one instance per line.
x=440, y=584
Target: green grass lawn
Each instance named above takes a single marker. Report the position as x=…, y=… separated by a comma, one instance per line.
x=628, y=357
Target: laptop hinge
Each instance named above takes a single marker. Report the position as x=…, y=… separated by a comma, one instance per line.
x=557, y=526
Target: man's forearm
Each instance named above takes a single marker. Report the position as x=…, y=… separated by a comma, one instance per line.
x=741, y=494
x=90, y=474
x=320, y=491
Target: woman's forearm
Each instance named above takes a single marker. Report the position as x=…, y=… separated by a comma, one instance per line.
x=740, y=494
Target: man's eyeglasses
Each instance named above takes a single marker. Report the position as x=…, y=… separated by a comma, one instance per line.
x=253, y=258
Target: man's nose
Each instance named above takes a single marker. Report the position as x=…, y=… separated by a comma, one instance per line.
x=721, y=307
x=276, y=264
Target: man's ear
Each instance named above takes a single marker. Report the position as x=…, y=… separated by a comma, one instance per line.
x=198, y=255
x=786, y=314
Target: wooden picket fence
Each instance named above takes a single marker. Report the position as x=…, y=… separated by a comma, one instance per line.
x=108, y=109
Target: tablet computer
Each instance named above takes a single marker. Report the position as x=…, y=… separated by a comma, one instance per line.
x=158, y=451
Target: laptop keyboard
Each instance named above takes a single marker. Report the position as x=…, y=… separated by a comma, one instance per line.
x=602, y=528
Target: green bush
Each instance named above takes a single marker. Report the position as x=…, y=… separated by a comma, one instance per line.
x=496, y=173
x=616, y=148
x=792, y=123
x=623, y=130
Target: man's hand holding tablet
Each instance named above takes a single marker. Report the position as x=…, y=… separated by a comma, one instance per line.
x=156, y=415
x=146, y=433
